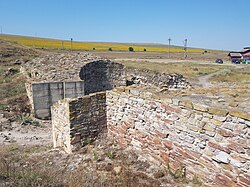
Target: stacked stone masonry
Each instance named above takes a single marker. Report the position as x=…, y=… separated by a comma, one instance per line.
x=210, y=143
x=102, y=75
x=77, y=122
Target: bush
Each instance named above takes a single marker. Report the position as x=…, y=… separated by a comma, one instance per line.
x=145, y=49
x=93, y=49
x=131, y=49
x=110, y=49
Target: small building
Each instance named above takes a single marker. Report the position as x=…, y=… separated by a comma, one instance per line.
x=246, y=53
x=235, y=56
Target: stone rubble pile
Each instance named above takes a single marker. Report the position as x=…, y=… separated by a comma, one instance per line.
x=161, y=80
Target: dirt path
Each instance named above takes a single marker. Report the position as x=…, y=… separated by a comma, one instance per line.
x=204, y=80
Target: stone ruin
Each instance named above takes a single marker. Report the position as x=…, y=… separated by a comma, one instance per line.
x=55, y=77
x=209, y=140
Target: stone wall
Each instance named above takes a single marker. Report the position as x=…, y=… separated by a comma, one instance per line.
x=102, y=75
x=77, y=122
x=43, y=95
x=211, y=143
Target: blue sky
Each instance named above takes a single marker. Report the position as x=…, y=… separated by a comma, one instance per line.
x=215, y=24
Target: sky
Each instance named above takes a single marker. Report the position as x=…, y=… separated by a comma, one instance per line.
x=211, y=24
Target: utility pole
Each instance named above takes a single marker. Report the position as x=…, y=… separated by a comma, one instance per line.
x=169, y=40
x=185, y=48
x=71, y=40
x=62, y=45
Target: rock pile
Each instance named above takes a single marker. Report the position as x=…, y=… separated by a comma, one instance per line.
x=161, y=80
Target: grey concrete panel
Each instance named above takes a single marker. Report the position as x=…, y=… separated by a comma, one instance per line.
x=46, y=94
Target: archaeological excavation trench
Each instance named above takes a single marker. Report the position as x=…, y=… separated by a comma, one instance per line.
x=96, y=98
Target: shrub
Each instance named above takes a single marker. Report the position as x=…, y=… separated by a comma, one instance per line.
x=131, y=49
x=110, y=49
x=145, y=49
x=93, y=49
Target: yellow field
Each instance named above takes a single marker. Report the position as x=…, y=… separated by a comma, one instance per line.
x=89, y=46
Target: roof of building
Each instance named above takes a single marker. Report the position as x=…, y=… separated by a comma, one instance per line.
x=235, y=54
x=245, y=50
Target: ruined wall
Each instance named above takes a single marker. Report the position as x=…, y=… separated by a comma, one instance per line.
x=76, y=122
x=160, y=80
x=102, y=75
x=61, y=125
x=211, y=143
x=43, y=95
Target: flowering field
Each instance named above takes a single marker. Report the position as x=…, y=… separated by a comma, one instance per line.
x=89, y=46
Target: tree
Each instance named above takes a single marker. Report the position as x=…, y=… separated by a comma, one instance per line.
x=131, y=49
x=145, y=49
x=110, y=49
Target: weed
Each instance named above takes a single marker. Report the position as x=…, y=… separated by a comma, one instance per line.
x=224, y=72
x=29, y=121
x=202, y=73
x=95, y=156
x=179, y=174
x=88, y=141
x=111, y=154
x=3, y=106
x=196, y=181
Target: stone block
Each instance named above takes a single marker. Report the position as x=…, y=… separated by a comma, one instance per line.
x=216, y=122
x=209, y=127
x=219, y=147
x=223, y=180
x=222, y=157
x=200, y=107
x=240, y=114
x=186, y=103
x=225, y=133
x=217, y=111
x=135, y=91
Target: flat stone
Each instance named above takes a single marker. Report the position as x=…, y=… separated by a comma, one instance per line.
x=217, y=111
x=135, y=92
x=222, y=157
x=200, y=107
x=240, y=114
x=186, y=103
x=236, y=163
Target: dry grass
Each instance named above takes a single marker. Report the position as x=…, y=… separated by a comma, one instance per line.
x=233, y=75
x=189, y=70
